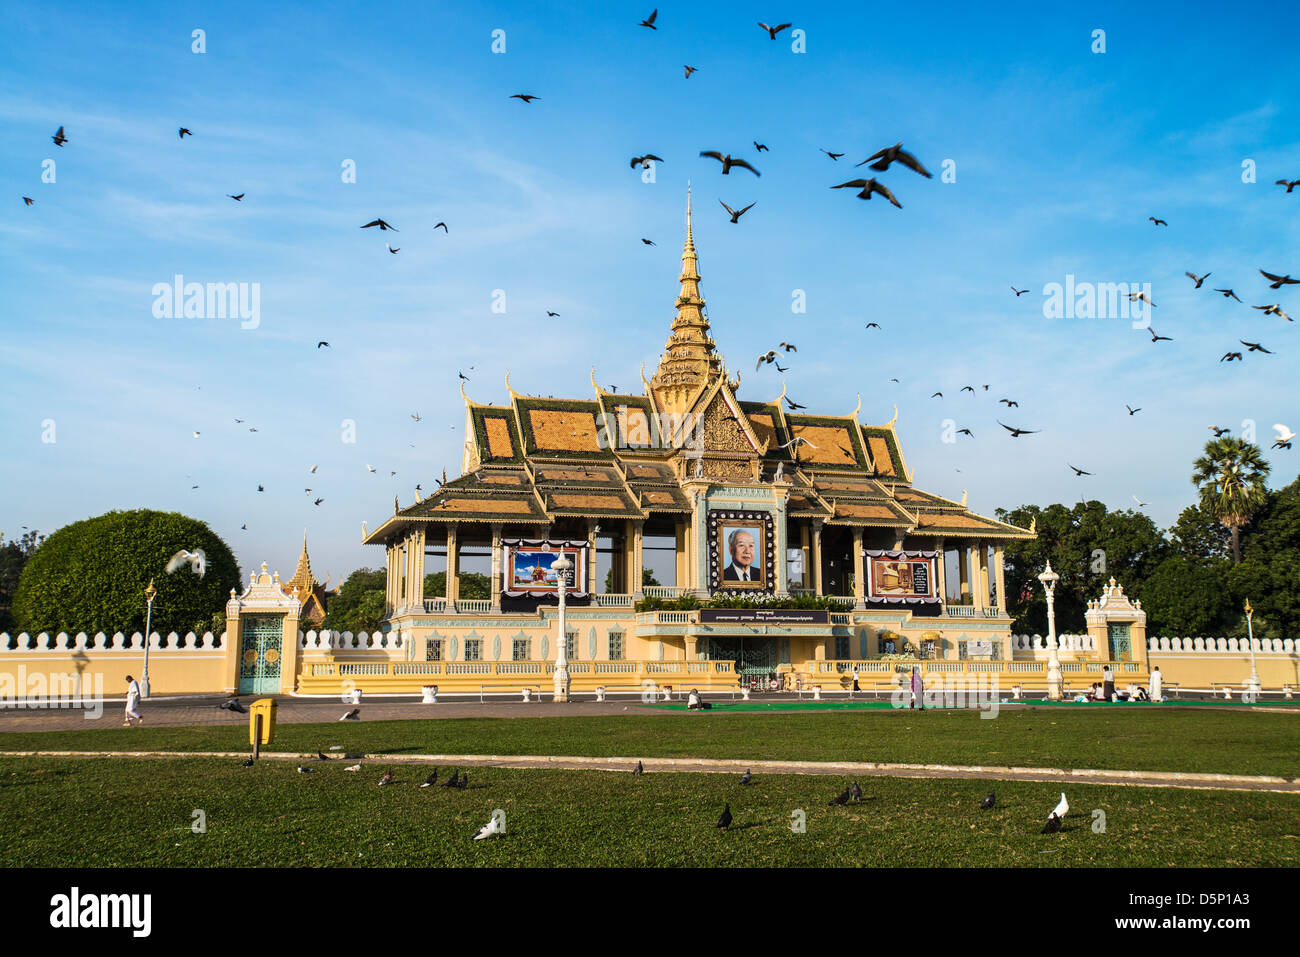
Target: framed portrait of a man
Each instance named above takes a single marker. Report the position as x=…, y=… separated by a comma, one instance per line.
x=741, y=551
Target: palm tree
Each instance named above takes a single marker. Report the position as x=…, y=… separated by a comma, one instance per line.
x=1231, y=476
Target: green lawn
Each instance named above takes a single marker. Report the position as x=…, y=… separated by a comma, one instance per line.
x=1239, y=742
x=112, y=812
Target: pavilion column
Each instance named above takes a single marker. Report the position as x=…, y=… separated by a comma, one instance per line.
x=979, y=575
x=999, y=560
x=859, y=589
x=942, y=570
x=591, y=556
x=453, y=567
x=682, y=550
x=620, y=566
x=636, y=559
x=817, y=562
x=390, y=595
x=963, y=571
x=805, y=546
x=691, y=641
x=496, y=567
x=401, y=575
x=419, y=542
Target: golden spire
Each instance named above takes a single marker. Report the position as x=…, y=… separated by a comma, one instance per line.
x=689, y=362
x=302, y=576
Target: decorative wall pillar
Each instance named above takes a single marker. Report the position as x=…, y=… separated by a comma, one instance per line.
x=390, y=592
x=963, y=570
x=592, y=584
x=683, y=553
x=636, y=559
x=980, y=573
x=496, y=567
x=691, y=642
x=805, y=545
x=417, y=559
x=816, y=536
x=859, y=586
x=999, y=561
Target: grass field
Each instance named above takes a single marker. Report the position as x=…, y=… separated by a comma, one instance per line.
x=102, y=812
x=1236, y=742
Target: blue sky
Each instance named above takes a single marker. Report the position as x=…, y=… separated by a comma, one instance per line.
x=1060, y=156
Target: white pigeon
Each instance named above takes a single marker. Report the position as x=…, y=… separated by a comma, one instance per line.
x=1140, y=502
x=302, y=770
x=1284, y=435
x=369, y=467
x=312, y=470
x=490, y=829
x=196, y=435
x=196, y=559
x=1063, y=808
x=355, y=767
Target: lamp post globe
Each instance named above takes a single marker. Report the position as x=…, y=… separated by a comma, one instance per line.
x=149, y=594
x=1049, y=579
x=561, y=685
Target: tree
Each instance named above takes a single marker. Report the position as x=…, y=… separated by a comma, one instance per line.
x=647, y=578
x=90, y=576
x=1269, y=573
x=1086, y=545
x=13, y=557
x=1230, y=476
x=473, y=585
x=1184, y=598
x=359, y=604
x=1200, y=537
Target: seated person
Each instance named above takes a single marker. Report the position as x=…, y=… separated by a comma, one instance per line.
x=1141, y=695
x=693, y=700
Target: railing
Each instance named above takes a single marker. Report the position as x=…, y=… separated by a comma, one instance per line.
x=970, y=611
x=473, y=606
x=843, y=600
x=841, y=618
x=613, y=601
x=664, y=591
x=434, y=606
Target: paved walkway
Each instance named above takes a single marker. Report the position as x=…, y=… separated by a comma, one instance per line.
x=203, y=710
x=1157, y=779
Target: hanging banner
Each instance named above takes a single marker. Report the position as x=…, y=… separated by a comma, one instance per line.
x=526, y=567
x=902, y=577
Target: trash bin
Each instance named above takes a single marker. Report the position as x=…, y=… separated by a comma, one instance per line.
x=265, y=709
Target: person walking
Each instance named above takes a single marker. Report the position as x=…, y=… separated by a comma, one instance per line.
x=132, y=702
x=1107, y=683
x=917, y=687
x=1157, y=680
x=855, y=678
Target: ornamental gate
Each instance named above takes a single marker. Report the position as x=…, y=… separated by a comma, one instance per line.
x=757, y=657
x=259, y=654
x=1120, y=647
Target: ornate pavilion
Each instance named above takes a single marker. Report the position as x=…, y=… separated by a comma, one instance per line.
x=756, y=500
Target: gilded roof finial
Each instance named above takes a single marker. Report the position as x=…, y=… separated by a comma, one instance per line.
x=963, y=498
x=895, y=418
x=513, y=393
x=858, y=409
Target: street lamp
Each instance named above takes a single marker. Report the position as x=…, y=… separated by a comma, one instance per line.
x=1250, y=640
x=561, y=568
x=1049, y=579
x=149, y=593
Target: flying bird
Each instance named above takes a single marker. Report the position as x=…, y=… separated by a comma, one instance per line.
x=1255, y=347
x=735, y=216
x=444, y=227
x=1289, y=184
x=779, y=368
x=1228, y=294
x=1231, y=357
x=313, y=469
x=769, y=357
x=493, y=827
x=896, y=153
x=1218, y=431
x=1010, y=403
x=788, y=346
x=415, y=416
x=834, y=156
x=183, y=132
x=353, y=715
x=773, y=31
x=1016, y=433
x=1135, y=296
x=1193, y=278
x=238, y=198
x=798, y=440
x=1156, y=338
x=966, y=432
x=431, y=780
x=727, y=162
x=322, y=344
x=1279, y=281
x=1274, y=310
x=648, y=242
x=793, y=404
x=59, y=138
x=1158, y=222
x=197, y=561
x=869, y=186
x=689, y=71
x=1078, y=471
x=1141, y=504
x=1019, y=292
x=938, y=394
x=28, y=200
x=370, y=468
x=644, y=161
x=647, y=22
x=724, y=821
x=526, y=97
x=1284, y=436
x=967, y=388
x=392, y=250
x=1131, y=410
x=381, y=224
x=988, y=802
x=759, y=147
x=873, y=325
